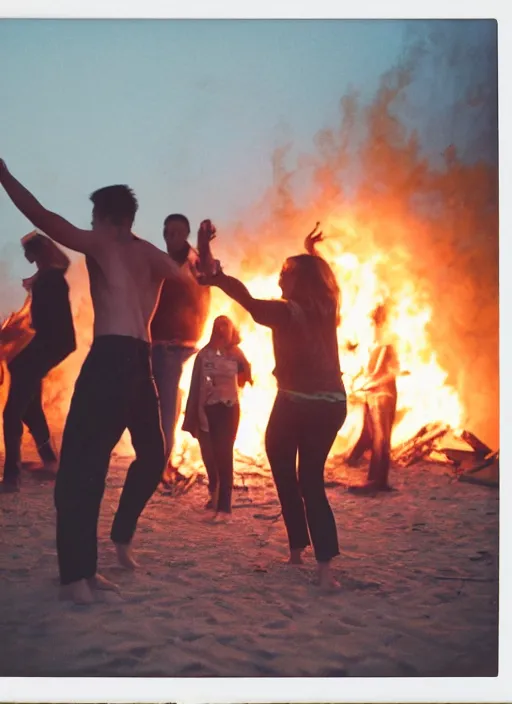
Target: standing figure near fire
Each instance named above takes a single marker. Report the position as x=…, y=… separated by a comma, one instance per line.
x=380, y=395
x=213, y=411
x=53, y=341
x=115, y=388
x=310, y=406
x=176, y=328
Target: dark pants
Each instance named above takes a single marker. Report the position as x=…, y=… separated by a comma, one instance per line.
x=114, y=391
x=379, y=416
x=24, y=406
x=217, y=452
x=306, y=428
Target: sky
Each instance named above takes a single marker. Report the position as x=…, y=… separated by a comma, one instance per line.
x=188, y=112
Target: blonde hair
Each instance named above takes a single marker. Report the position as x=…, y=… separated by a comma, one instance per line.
x=235, y=333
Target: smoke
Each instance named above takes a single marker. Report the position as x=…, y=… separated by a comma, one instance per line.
x=430, y=205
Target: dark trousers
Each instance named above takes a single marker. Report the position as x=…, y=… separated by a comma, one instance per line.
x=217, y=448
x=307, y=429
x=114, y=391
x=24, y=406
x=379, y=416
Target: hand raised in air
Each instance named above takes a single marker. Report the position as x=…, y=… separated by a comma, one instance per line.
x=313, y=239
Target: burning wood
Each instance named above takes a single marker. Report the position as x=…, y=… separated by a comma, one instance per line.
x=465, y=463
x=487, y=462
x=476, y=464
x=479, y=448
x=485, y=472
x=419, y=446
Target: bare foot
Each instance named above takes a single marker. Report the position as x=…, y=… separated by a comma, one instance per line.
x=78, y=592
x=222, y=517
x=295, y=558
x=102, y=583
x=125, y=557
x=326, y=580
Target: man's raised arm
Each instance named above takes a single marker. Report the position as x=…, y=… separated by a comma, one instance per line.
x=50, y=223
x=164, y=267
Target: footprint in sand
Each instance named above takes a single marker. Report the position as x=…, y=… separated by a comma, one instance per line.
x=194, y=669
x=336, y=629
x=349, y=621
x=333, y=672
x=264, y=654
x=18, y=571
x=124, y=661
x=181, y=563
x=226, y=640
x=140, y=651
x=288, y=613
x=92, y=652
x=190, y=637
x=276, y=625
x=266, y=671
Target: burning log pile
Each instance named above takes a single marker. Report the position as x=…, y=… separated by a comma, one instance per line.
x=467, y=459
x=420, y=446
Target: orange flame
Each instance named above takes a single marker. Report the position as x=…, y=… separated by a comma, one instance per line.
x=424, y=394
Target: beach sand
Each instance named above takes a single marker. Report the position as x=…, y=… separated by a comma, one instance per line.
x=418, y=572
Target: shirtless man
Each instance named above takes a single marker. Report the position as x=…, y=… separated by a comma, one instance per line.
x=115, y=389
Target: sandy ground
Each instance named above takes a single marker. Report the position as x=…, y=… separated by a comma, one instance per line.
x=418, y=571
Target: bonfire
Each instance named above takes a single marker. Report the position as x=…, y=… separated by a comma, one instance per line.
x=420, y=235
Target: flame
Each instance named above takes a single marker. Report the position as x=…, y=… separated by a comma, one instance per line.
x=424, y=395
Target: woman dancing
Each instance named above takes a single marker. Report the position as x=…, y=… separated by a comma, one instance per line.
x=53, y=341
x=310, y=406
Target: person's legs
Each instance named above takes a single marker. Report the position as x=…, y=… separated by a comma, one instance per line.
x=167, y=363
x=365, y=439
x=320, y=423
x=36, y=422
x=145, y=472
x=223, y=424
x=281, y=443
x=383, y=410
x=17, y=399
x=26, y=372
x=205, y=444
x=96, y=420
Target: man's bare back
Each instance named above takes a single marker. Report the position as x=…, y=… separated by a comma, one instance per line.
x=125, y=287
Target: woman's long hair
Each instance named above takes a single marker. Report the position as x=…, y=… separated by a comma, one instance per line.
x=46, y=252
x=235, y=333
x=315, y=286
